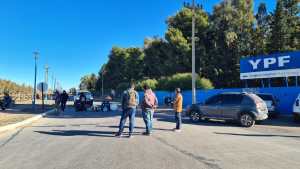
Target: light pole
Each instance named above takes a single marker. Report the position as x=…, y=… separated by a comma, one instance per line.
x=36, y=55
x=46, y=78
x=193, y=57
x=102, y=79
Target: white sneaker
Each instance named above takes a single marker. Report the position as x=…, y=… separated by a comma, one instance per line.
x=177, y=130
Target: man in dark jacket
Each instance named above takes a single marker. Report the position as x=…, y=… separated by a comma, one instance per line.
x=64, y=98
x=130, y=101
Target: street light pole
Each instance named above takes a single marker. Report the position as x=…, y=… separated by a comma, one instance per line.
x=193, y=57
x=46, y=79
x=36, y=55
x=102, y=84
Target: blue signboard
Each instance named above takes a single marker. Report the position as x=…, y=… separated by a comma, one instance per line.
x=270, y=66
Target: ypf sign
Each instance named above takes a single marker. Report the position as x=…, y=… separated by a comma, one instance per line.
x=270, y=66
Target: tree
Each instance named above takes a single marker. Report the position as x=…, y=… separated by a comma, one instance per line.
x=115, y=67
x=72, y=91
x=292, y=9
x=280, y=31
x=262, y=31
x=182, y=22
x=88, y=82
x=179, y=51
x=156, y=54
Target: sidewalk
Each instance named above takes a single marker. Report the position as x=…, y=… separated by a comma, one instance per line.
x=20, y=112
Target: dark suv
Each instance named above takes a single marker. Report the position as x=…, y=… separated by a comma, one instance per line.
x=245, y=108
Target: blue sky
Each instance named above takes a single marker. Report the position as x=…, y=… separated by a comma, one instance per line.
x=74, y=37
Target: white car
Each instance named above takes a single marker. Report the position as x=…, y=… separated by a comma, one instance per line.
x=296, y=109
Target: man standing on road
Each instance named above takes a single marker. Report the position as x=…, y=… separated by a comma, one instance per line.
x=178, y=109
x=64, y=98
x=149, y=104
x=130, y=101
x=57, y=99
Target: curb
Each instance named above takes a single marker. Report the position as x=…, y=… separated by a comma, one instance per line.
x=25, y=122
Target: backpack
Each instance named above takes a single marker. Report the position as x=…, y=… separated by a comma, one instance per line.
x=131, y=98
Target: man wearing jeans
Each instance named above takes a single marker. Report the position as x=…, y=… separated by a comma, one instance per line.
x=178, y=109
x=149, y=104
x=130, y=101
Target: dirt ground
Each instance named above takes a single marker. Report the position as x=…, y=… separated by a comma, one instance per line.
x=20, y=112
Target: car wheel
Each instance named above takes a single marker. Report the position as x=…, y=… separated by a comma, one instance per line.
x=195, y=116
x=247, y=120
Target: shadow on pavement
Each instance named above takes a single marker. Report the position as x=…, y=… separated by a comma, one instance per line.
x=84, y=114
x=78, y=133
x=116, y=127
x=257, y=135
x=284, y=121
x=185, y=120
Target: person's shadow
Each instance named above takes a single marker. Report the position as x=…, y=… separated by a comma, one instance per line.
x=69, y=133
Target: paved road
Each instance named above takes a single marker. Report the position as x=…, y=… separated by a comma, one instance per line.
x=86, y=141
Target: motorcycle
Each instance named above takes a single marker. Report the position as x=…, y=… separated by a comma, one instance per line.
x=80, y=106
x=5, y=103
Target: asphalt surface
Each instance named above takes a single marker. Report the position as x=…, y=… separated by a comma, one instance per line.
x=85, y=140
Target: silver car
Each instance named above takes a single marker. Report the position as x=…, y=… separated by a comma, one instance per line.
x=246, y=108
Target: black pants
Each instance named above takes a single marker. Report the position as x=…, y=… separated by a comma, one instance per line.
x=63, y=106
x=178, y=120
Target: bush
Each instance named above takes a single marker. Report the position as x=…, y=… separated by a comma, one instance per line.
x=152, y=83
x=203, y=83
x=183, y=81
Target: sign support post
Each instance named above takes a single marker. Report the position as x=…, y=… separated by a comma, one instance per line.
x=43, y=104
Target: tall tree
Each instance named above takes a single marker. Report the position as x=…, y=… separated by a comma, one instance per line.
x=292, y=8
x=182, y=21
x=262, y=30
x=156, y=54
x=280, y=35
x=88, y=82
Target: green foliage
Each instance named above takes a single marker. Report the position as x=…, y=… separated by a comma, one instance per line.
x=183, y=81
x=72, y=91
x=88, y=82
x=152, y=83
x=285, y=26
x=230, y=32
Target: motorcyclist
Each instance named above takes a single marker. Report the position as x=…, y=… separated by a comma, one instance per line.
x=82, y=99
x=6, y=100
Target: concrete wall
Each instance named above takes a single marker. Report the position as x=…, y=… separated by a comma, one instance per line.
x=285, y=95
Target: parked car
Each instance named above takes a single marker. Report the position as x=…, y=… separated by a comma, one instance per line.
x=246, y=108
x=296, y=109
x=89, y=99
x=272, y=104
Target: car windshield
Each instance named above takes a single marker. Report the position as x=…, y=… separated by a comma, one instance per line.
x=265, y=96
x=88, y=95
x=256, y=98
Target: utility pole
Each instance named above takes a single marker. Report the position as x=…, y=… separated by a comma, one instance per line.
x=54, y=86
x=36, y=55
x=46, y=78
x=102, y=79
x=193, y=57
